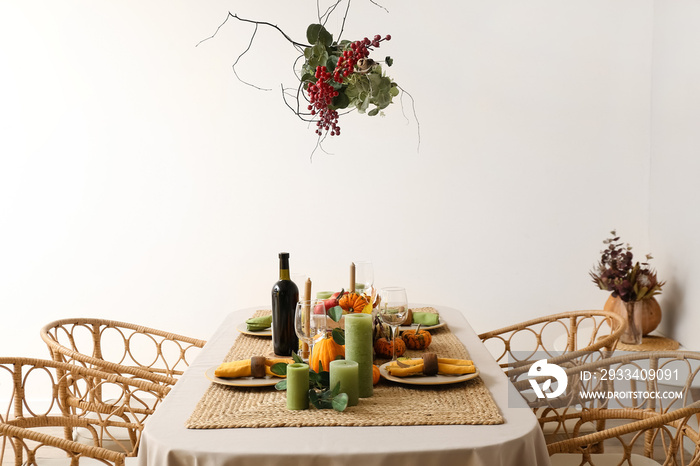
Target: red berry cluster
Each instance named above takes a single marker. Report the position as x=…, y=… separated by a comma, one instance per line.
x=321, y=95
x=358, y=49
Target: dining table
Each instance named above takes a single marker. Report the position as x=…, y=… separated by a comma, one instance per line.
x=516, y=439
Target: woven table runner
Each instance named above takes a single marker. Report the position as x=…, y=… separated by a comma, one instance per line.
x=392, y=404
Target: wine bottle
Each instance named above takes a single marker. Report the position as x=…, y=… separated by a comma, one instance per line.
x=285, y=295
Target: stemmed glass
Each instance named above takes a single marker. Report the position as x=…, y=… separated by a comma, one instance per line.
x=393, y=308
x=308, y=324
x=364, y=277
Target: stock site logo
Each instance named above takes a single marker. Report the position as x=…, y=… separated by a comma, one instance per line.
x=542, y=368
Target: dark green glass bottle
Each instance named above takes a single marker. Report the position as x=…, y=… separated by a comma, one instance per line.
x=285, y=295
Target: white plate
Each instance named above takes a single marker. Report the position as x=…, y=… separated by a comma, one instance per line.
x=403, y=328
x=426, y=379
x=243, y=328
x=267, y=381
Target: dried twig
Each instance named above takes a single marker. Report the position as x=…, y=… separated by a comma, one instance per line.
x=233, y=67
x=413, y=107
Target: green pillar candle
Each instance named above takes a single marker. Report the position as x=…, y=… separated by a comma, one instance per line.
x=298, y=386
x=359, y=348
x=324, y=294
x=346, y=372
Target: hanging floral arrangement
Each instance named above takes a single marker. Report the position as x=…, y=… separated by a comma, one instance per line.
x=336, y=76
x=339, y=75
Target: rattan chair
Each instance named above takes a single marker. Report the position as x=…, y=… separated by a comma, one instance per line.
x=121, y=348
x=567, y=339
x=647, y=420
x=48, y=398
x=558, y=337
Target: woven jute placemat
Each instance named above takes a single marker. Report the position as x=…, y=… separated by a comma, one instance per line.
x=392, y=404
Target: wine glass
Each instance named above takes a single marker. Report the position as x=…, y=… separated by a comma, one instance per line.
x=307, y=323
x=393, y=308
x=364, y=277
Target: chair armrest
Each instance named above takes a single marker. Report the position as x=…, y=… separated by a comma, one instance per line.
x=60, y=443
x=651, y=420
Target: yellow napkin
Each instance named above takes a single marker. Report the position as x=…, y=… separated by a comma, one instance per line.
x=236, y=369
x=446, y=366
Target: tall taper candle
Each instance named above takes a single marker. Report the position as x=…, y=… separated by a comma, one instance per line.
x=307, y=289
x=307, y=319
x=352, y=277
x=298, y=386
x=345, y=372
x=358, y=348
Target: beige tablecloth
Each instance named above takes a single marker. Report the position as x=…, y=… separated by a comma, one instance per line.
x=166, y=440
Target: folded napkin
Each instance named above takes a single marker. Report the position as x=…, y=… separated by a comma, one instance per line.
x=446, y=366
x=255, y=324
x=235, y=369
x=426, y=318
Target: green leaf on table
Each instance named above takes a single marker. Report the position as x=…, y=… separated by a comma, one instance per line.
x=338, y=335
x=279, y=369
x=296, y=358
x=314, y=377
x=281, y=385
x=340, y=402
x=335, y=313
x=335, y=389
x=313, y=398
x=324, y=379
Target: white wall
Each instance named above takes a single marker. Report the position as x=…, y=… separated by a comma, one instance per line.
x=675, y=190
x=139, y=180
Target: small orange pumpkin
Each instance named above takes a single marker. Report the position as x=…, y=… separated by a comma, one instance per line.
x=353, y=302
x=375, y=374
x=417, y=339
x=383, y=347
x=325, y=350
